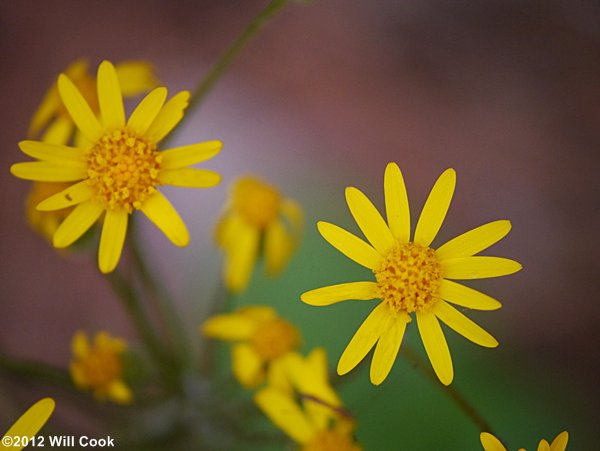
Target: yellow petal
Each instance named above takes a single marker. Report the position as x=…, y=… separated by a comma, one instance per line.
x=474, y=241
x=490, y=443
x=181, y=157
x=109, y=97
x=279, y=245
x=396, y=203
x=247, y=365
x=369, y=220
x=146, y=111
x=135, y=77
x=77, y=223
x=350, y=245
x=463, y=325
x=119, y=392
x=466, y=297
x=258, y=313
x=478, y=267
x=189, y=178
x=73, y=195
x=80, y=345
x=50, y=171
x=114, y=230
x=436, y=346
x=285, y=414
x=80, y=111
x=241, y=257
x=59, y=131
x=435, y=208
x=560, y=442
x=168, y=117
x=364, y=339
x=229, y=327
x=362, y=291
x=31, y=421
x=387, y=348
x=45, y=112
x=52, y=152
x=292, y=211
x=544, y=446
x=160, y=211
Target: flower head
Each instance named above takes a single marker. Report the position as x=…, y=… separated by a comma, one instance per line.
x=411, y=277
x=261, y=342
x=28, y=424
x=311, y=413
x=98, y=366
x=118, y=166
x=491, y=443
x=52, y=124
x=256, y=213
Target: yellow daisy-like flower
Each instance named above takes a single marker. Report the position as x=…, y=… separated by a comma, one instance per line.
x=412, y=277
x=28, y=425
x=53, y=122
x=316, y=421
x=491, y=443
x=118, y=167
x=257, y=213
x=99, y=366
x=261, y=342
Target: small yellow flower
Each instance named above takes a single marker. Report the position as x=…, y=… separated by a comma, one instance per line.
x=412, y=277
x=255, y=213
x=99, y=366
x=261, y=342
x=117, y=167
x=28, y=424
x=53, y=122
x=312, y=414
x=491, y=443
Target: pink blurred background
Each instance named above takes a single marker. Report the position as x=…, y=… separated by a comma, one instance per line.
x=506, y=92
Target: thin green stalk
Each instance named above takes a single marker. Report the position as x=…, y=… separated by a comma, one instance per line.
x=468, y=409
x=37, y=370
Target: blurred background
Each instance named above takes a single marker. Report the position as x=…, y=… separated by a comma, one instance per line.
x=505, y=92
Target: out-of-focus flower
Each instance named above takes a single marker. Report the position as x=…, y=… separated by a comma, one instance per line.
x=412, y=277
x=28, y=425
x=98, y=366
x=261, y=342
x=491, y=443
x=257, y=213
x=53, y=124
x=117, y=167
x=312, y=413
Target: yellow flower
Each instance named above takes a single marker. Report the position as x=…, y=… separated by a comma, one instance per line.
x=261, y=342
x=28, y=424
x=412, y=277
x=317, y=421
x=256, y=212
x=491, y=443
x=118, y=167
x=99, y=366
x=51, y=118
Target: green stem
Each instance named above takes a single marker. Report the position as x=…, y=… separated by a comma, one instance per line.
x=468, y=409
x=37, y=370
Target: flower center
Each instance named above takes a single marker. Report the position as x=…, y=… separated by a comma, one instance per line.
x=275, y=338
x=123, y=169
x=256, y=201
x=101, y=368
x=409, y=278
x=331, y=441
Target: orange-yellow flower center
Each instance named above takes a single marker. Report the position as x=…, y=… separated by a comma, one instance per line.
x=123, y=169
x=257, y=202
x=100, y=368
x=409, y=278
x=331, y=440
x=275, y=338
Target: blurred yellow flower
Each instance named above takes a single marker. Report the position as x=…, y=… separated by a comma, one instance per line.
x=412, y=277
x=491, y=443
x=52, y=123
x=261, y=342
x=312, y=414
x=256, y=213
x=28, y=425
x=117, y=166
x=99, y=366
